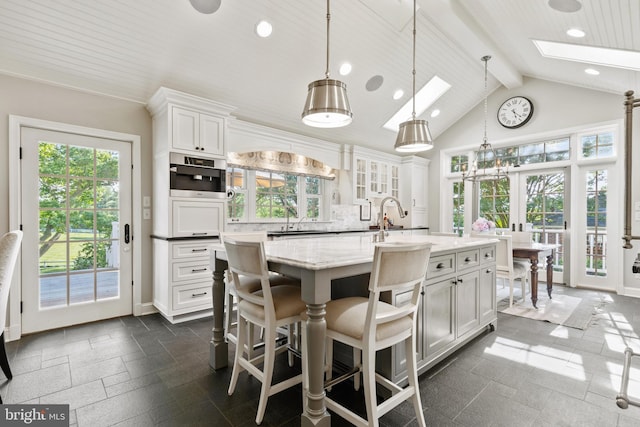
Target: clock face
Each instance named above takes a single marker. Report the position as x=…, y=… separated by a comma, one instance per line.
x=515, y=112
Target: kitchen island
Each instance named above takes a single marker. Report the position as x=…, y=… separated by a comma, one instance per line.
x=458, y=303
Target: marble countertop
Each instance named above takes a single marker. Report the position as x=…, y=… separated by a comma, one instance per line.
x=344, y=231
x=317, y=254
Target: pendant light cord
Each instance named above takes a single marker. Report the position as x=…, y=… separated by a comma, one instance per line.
x=486, y=61
x=326, y=73
x=413, y=114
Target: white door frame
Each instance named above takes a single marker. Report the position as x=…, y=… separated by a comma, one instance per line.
x=614, y=276
x=15, y=123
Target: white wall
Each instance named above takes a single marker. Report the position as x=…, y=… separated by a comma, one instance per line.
x=41, y=101
x=556, y=107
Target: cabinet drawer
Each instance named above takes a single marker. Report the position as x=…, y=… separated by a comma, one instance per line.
x=192, y=295
x=191, y=250
x=487, y=254
x=441, y=265
x=468, y=259
x=191, y=270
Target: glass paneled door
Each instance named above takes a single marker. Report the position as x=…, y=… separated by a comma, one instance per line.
x=542, y=207
x=76, y=217
x=599, y=233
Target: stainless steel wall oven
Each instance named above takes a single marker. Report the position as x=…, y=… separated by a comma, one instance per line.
x=197, y=177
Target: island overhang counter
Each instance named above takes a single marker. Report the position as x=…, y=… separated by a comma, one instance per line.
x=459, y=300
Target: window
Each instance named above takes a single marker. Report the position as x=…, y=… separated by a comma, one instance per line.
x=553, y=150
x=313, y=191
x=276, y=195
x=237, y=204
x=494, y=201
x=596, y=222
x=272, y=196
x=459, y=163
x=458, y=207
x=597, y=146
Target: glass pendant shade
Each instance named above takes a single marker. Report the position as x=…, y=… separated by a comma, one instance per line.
x=327, y=105
x=413, y=136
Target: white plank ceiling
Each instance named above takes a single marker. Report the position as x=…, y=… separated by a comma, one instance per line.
x=129, y=48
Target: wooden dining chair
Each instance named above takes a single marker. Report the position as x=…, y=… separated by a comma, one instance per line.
x=370, y=325
x=9, y=249
x=270, y=307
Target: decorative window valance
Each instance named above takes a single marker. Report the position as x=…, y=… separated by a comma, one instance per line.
x=279, y=161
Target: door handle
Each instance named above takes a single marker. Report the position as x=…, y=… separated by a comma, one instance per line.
x=126, y=234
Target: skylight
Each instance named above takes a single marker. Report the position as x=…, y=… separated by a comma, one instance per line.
x=425, y=97
x=617, y=58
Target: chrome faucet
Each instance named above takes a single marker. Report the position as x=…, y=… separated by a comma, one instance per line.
x=299, y=225
x=381, y=217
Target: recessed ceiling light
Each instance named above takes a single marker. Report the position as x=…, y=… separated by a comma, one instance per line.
x=575, y=32
x=592, y=71
x=424, y=98
x=264, y=29
x=345, y=69
x=618, y=58
x=435, y=113
x=398, y=94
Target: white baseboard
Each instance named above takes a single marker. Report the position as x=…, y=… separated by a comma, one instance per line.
x=144, y=309
x=631, y=292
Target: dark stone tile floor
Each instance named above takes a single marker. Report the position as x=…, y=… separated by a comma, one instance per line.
x=144, y=371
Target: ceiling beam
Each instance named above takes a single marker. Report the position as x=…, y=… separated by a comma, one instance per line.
x=453, y=20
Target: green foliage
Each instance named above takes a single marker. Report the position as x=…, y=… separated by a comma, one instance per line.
x=85, y=258
x=78, y=190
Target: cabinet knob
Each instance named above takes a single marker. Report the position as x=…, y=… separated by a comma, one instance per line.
x=467, y=259
x=488, y=271
x=440, y=266
x=459, y=280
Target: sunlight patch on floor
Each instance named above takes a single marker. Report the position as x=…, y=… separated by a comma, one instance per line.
x=538, y=356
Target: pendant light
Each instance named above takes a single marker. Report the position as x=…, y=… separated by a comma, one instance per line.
x=486, y=164
x=327, y=104
x=414, y=135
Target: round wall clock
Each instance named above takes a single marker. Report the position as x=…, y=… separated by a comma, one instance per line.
x=515, y=112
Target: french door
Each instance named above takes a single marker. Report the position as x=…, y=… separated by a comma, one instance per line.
x=542, y=206
x=597, y=260
x=76, y=218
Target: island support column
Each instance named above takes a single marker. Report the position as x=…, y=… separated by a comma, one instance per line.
x=218, y=347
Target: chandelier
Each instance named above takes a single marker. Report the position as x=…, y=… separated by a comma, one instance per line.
x=486, y=164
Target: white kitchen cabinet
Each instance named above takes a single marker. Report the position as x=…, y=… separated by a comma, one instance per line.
x=183, y=280
x=194, y=126
x=197, y=132
x=196, y=218
x=374, y=178
x=458, y=303
x=188, y=124
x=414, y=174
